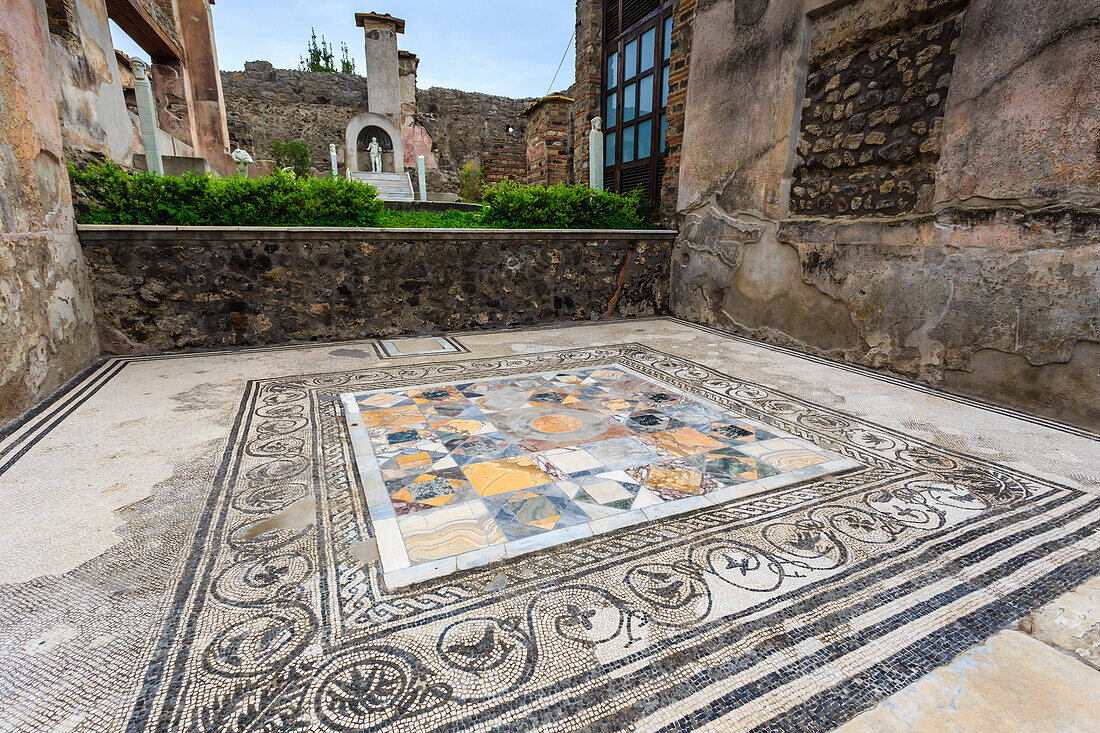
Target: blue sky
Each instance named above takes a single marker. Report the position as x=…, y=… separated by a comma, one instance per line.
x=506, y=47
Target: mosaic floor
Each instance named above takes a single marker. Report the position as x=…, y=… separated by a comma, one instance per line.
x=461, y=475
x=213, y=542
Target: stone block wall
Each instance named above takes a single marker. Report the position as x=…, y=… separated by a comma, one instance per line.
x=549, y=143
x=162, y=288
x=872, y=122
x=47, y=330
x=264, y=104
x=988, y=284
x=470, y=127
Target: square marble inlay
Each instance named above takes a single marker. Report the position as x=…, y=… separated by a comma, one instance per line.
x=460, y=475
x=418, y=346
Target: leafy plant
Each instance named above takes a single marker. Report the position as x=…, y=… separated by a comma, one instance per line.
x=347, y=63
x=431, y=219
x=107, y=194
x=293, y=155
x=511, y=205
x=473, y=180
x=319, y=56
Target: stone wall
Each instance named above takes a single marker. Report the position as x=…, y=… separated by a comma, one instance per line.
x=469, y=127
x=164, y=288
x=264, y=104
x=871, y=124
x=47, y=331
x=995, y=291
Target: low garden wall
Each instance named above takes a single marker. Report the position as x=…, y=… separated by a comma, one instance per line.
x=164, y=288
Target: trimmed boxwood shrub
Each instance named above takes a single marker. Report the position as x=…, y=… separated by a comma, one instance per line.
x=107, y=194
x=510, y=205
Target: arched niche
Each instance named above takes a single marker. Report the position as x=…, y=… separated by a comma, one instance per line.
x=357, y=126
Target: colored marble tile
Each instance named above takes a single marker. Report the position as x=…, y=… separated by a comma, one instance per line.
x=545, y=458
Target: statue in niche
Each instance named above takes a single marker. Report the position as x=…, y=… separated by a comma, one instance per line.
x=243, y=160
x=375, y=151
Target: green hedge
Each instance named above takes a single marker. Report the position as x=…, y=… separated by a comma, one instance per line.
x=107, y=194
x=510, y=205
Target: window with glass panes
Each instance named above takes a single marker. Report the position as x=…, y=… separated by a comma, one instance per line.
x=637, y=48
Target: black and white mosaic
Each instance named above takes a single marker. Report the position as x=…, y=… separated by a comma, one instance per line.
x=792, y=610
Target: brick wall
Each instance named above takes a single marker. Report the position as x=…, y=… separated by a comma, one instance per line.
x=590, y=78
x=504, y=159
x=548, y=143
x=586, y=91
x=679, y=65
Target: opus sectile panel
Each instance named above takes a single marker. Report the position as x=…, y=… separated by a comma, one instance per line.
x=461, y=475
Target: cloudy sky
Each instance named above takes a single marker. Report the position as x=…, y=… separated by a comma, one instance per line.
x=507, y=47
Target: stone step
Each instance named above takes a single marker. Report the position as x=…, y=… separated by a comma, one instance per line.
x=390, y=186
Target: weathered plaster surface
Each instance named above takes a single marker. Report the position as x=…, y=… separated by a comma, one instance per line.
x=47, y=329
x=1024, y=109
x=88, y=85
x=1001, y=301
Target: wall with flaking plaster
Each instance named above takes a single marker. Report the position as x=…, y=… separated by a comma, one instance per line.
x=47, y=322
x=995, y=290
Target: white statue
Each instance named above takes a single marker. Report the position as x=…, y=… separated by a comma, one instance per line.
x=243, y=160
x=375, y=151
x=332, y=159
x=596, y=155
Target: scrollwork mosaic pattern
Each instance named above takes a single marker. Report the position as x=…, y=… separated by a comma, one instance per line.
x=282, y=621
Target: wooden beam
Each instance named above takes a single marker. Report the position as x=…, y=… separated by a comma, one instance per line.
x=132, y=17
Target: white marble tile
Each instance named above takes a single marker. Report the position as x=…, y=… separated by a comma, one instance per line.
x=484, y=556
x=420, y=573
x=515, y=548
x=391, y=547
x=671, y=508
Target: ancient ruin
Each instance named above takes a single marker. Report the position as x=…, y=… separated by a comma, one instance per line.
x=805, y=440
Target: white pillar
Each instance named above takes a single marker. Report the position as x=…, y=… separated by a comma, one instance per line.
x=147, y=117
x=332, y=159
x=420, y=178
x=595, y=155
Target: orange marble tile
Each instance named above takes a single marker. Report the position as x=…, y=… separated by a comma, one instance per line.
x=682, y=442
x=394, y=417
x=506, y=474
x=675, y=479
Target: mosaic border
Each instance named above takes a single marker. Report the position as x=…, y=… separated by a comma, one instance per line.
x=923, y=536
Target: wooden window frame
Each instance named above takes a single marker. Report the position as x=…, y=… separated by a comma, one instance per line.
x=651, y=166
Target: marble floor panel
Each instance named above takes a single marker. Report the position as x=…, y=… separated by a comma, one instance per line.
x=529, y=462
x=641, y=525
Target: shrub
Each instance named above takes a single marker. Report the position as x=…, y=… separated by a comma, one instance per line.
x=511, y=205
x=431, y=219
x=107, y=194
x=294, y=155
x=473, y=180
